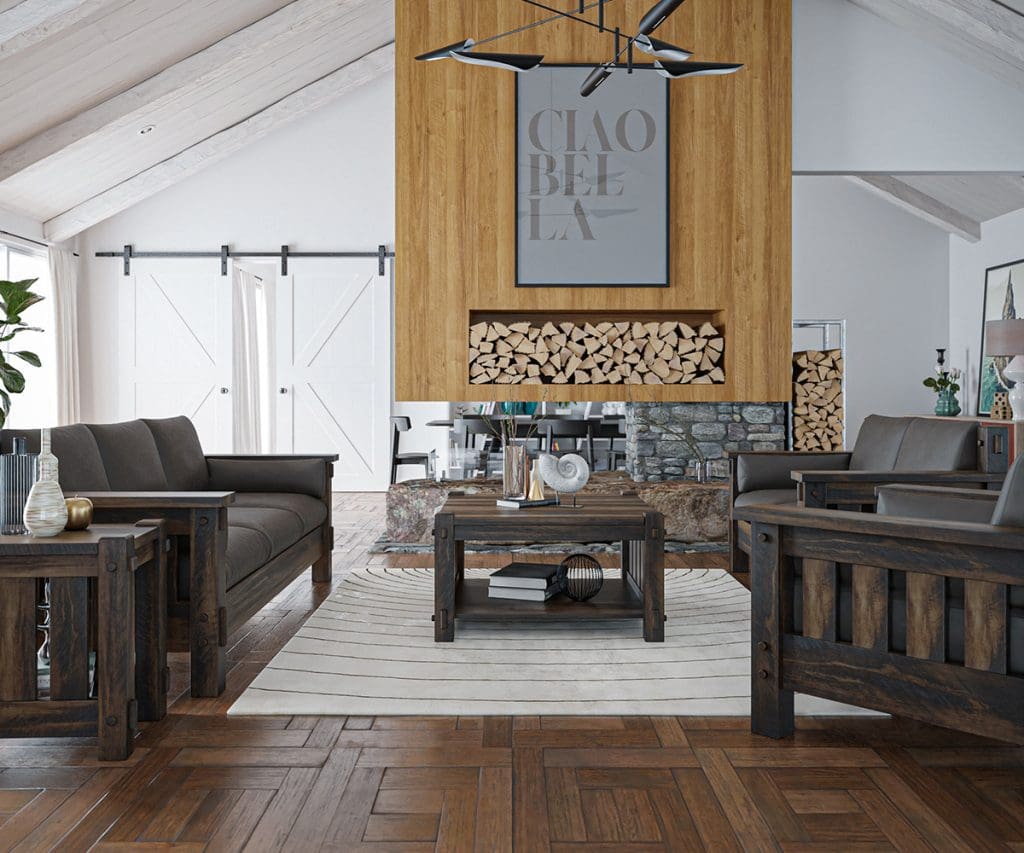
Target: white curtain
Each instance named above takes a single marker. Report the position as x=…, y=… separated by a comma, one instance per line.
x=246, y=362
x=64, y=276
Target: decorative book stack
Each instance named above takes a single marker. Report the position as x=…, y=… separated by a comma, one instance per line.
x=525, y=582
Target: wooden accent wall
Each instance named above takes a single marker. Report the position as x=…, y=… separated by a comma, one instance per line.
x=731, y=251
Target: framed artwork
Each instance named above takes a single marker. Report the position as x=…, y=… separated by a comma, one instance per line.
x=1000, y=304
x=592, y=179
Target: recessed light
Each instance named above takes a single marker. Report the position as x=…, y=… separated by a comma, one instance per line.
x=149, y=128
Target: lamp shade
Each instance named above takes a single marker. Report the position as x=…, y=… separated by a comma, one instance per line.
x=675, y=70
x=657, y=15
x=1004, y=337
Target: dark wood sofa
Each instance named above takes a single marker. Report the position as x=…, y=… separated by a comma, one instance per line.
x=917, y=611
x=888, y=450
x=240, y=528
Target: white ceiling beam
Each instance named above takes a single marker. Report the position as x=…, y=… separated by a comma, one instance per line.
x=988, y=34
x=266, y=37
x=921, y=205
x=221, y=145
x=30, y=21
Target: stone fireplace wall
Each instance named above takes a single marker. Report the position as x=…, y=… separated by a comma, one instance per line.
x=655, y=452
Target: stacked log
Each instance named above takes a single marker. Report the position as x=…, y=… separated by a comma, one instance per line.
x=818, y=412
x=601, y=353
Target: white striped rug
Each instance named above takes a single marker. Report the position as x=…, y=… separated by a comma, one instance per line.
x=369, y=650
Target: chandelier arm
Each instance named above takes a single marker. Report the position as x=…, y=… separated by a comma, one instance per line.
x=572, y=14
x=556, y=17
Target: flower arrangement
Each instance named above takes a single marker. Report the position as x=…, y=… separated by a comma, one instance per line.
x=945, y=383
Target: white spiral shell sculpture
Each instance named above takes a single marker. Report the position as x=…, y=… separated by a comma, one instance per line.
x=566, y=475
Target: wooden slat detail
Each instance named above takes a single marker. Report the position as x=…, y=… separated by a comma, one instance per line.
x=985, y=626
x=871, y=608
x=69, y=638
x=926, y=616
x=17, y=639
x=819, y=599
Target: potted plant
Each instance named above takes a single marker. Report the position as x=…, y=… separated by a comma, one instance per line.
x=945, y=383
x=16, y=297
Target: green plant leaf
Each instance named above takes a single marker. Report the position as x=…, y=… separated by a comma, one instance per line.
x=12, y=378
x=29, y=357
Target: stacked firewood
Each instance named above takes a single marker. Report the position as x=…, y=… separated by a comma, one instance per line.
x=818, y=414
x=602, y=353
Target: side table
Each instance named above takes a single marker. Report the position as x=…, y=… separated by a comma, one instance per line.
x=126, y=568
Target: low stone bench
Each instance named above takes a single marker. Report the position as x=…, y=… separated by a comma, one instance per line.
x=696, y=514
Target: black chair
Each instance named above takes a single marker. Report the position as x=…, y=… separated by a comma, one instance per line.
x=614, y=432
x=558, y=431
x=400, y=424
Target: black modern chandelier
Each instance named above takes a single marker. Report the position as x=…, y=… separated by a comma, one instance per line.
x=669, y=60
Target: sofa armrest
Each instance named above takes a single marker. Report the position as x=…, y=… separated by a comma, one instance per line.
x=937, y=504
x=159, y=500
x=773, y=470
x=937, y=478
x=304, y=475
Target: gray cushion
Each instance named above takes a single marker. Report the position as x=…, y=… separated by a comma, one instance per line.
x=181, y=454
x=309, y=512
x=768, y=496
x=79, y=465
x=969, y=505
x=756, y=471
x=248, y=551
x=1009, y=511
x=304, y=476
x=130, y=457
x=878, y=443
x=930, y=444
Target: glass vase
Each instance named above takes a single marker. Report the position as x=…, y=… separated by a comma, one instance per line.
x=947, y=405
x=514, y=470
x=18, y=474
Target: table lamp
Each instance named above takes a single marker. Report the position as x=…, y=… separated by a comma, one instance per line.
x=1006, y=338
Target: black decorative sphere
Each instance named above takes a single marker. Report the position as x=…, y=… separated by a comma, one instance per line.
x=581, y=577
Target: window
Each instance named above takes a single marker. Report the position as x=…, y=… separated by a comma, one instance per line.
x=37, y=406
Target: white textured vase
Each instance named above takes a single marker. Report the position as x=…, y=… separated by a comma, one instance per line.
x=46, y=514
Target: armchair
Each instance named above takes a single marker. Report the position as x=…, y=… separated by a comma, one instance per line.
x=919, y=614
x=888, y=450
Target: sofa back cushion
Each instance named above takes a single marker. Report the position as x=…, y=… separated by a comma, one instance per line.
x=878, y=443
x=930, y=444
x=130, y=457
x=181, y=454
x=80, y=466
x=1009, y=511
x=757, y=472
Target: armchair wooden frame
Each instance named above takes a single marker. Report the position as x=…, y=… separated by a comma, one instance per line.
x=979, y=696
x=196, y=524
x=847, y=490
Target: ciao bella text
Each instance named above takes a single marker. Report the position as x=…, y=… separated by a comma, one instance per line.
x=576, y=160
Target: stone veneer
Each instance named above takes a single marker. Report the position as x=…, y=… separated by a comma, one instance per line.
x=654, y=454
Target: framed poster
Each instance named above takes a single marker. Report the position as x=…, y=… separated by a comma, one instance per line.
x=1000, y=304
x=592, y=179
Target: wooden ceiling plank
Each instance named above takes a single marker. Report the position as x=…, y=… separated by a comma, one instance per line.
x=923, y=206
x=263, y=38
x=27, y=23
x=985, y=33
x=978, y=196
x=221, y=145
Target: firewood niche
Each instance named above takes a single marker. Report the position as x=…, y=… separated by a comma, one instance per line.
x=638, y=349
x=818, y=411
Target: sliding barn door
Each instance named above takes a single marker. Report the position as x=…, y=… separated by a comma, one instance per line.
x=334, y=367
x=175, y=346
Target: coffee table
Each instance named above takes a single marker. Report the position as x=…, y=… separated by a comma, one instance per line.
x=624, y=519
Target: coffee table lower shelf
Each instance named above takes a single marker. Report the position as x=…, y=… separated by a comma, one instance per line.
x=616, y=600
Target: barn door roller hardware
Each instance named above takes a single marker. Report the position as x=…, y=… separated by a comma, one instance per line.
x=129, y=253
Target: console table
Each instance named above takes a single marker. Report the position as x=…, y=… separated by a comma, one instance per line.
x=625, y=519
x=123, y=569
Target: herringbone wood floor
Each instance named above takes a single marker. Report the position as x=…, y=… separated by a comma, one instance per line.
x=200, y=780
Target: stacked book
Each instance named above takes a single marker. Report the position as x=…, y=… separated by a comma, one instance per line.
x=525, y=582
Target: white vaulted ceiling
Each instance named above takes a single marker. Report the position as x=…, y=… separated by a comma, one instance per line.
x=105, y=102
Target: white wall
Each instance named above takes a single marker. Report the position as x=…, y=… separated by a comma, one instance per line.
x=324, y=183
x=1002, y=241
x=869, y=96
x=858, y=258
